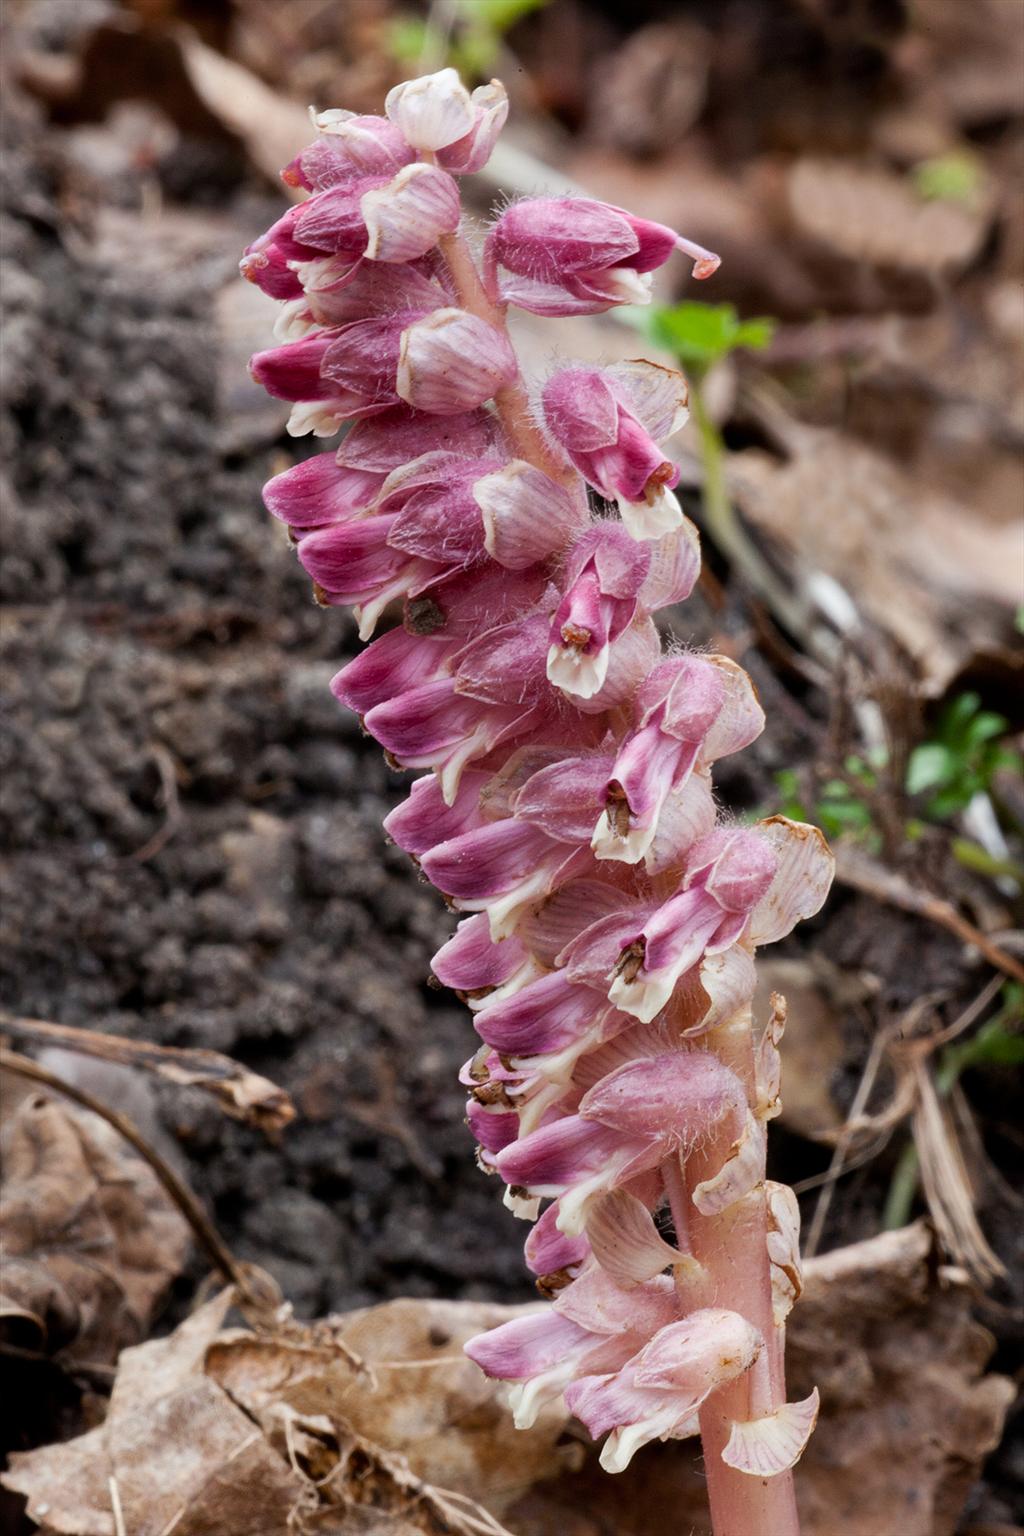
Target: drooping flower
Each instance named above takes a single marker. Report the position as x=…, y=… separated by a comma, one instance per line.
x=574, y=256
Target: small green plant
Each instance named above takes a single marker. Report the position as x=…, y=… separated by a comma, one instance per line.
x=960, y=759
x=950, y=178
x=957, y=762
x=474, y=46
x=701, y=334
x=839, y=810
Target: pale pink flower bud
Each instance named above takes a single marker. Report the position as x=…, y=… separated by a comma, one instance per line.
x=433, y=726
x=472, y=152
x=433, y=111
x=527, y=516
x=477, y=968
x=627, y=1124
x=320, y=491
x=354, y=563
x=452, y=361
x=406, y=218
x=575, y=256
x=294, y=372
x=501, y=868
x=598, y=418
x=267, y=262
x=350, y=147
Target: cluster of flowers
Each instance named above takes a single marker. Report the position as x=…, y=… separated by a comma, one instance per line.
x=568, y=808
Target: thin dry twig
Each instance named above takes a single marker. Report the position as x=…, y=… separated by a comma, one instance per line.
x=186, y=1202
x=242, y=1094
x=171, y=806
x=860, y=871
x=947, y=1187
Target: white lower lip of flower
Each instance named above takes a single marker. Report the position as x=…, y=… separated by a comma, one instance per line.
x=525, y=1209
x=367, y=614
x=450, y=774
x=317, y=416
x=527, y=1398
x=294, y=320
x=504, y=913
x=645, y=997
x=608, y=844
x=577, y=673
x=535, y=1108
x=622, y=1444
x=623, y=285
x=530, y=970
x=659, y=513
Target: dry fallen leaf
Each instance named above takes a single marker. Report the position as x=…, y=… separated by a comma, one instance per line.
x=914, y=563
x=419, y=1396
x=868, y=214
x=234, y=1433
x=91, y=1240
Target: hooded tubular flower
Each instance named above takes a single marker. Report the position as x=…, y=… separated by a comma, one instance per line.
x=608, y=422
x=575, y=256
x=691, y=709
x=656, y=1394
x=593, y=1326
x=628, y=1123
x=514, y=545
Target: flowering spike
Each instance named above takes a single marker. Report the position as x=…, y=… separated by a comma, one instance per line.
x=566, y=801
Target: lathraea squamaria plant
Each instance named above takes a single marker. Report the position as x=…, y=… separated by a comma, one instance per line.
x=528, y=534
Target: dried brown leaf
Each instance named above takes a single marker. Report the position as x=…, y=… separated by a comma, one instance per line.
x=91, y=1240
x=868, y=214
x=915, y=564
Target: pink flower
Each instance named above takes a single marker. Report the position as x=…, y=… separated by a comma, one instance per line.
x=656, y=1394
x=594, y=1325
x=689, y=710
x=628, y=1123
x=349, y=147
x=575, y=256
x=607, y=422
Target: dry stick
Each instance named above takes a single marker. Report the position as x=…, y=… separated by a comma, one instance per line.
x=863, y=873
x=242, y=1094
x=207, y=1234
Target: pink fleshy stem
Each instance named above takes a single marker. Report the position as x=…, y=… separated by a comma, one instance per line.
x=512, y=402
x=732, y=1246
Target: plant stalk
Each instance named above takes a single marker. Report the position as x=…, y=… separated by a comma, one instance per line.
x=511, y=402
x=732, y=1246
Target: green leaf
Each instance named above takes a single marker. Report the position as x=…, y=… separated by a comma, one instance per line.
x=930, y=765
x=700, y=334
x=950, y=178
x=499, y=15
x=407, y=38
